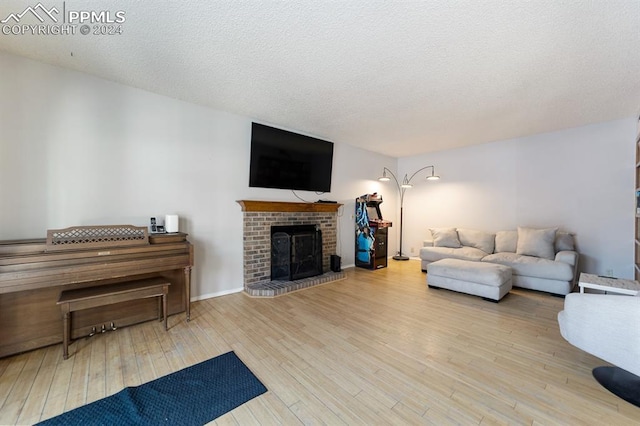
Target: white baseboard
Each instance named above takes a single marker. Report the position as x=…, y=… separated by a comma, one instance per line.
x=217, y=294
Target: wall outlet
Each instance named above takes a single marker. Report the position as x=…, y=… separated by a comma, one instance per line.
x=413, y=250
x=609, y=272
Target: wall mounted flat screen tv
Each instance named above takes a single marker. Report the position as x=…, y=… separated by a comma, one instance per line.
x=286, y=160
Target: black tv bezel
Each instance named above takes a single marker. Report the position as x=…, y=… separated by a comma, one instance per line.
x=282, y=138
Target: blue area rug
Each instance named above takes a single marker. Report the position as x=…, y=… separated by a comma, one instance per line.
x=193, y=396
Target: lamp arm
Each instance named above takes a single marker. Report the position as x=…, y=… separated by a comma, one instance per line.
x=400, y=190
x=419, y=170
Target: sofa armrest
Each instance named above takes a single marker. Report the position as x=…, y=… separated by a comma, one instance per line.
x=566, y=256
x=604, y=326
x=427, y=243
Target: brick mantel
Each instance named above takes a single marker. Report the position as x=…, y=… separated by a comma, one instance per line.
x=286, y=206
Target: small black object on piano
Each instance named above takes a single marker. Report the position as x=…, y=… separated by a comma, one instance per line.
x=327, y=201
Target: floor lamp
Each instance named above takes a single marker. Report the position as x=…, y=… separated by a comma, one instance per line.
x=402, y=187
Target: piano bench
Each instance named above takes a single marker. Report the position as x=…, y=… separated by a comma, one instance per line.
x=101, y=295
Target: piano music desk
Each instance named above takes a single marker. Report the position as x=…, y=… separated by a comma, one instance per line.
x=91, y=297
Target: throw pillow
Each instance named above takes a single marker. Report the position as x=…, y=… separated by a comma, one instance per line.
x=445, y=237
x=536, y=242
x=478, y=239
x=564, y=241
x=506, y=241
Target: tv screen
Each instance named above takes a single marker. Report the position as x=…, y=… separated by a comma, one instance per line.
x=287, y=160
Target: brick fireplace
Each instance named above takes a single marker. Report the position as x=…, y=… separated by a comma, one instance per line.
x=258, y=218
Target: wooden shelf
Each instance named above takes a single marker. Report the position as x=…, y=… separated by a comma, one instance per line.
x=284, y=206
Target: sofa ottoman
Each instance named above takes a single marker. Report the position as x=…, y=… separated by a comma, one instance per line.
x=487, y=280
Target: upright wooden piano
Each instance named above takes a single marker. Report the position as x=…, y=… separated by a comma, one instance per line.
x=33, y=273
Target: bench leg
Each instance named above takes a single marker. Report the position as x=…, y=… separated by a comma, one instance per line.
x=164, y=310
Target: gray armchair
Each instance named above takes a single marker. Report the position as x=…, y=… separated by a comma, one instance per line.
x=607, y=326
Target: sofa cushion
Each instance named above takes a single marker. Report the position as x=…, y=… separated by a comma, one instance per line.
x=532, y=266
x=564, y=241
x=445, y=237
x=478, y=239
x=536, y=242
x=506, y=241
x=432, y=254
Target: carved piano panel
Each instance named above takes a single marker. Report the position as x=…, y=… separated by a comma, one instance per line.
x=31, y=279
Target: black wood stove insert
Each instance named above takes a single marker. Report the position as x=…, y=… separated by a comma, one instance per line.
x=296, y=252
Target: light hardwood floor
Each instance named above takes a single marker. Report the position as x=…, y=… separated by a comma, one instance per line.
x=376, y=348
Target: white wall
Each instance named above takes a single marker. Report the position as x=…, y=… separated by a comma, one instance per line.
x=78, y=150
x=580, y=179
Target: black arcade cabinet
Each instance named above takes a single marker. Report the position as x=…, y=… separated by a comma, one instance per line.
x=371, y=232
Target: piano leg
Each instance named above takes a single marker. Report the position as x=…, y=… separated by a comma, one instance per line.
x=187, y=291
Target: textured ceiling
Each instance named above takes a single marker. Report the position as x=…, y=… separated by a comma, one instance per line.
x=396, y=77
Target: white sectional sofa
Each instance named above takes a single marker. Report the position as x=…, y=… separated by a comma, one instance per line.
x=540, y=259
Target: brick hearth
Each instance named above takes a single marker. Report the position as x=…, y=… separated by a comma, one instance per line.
x=258, y=217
